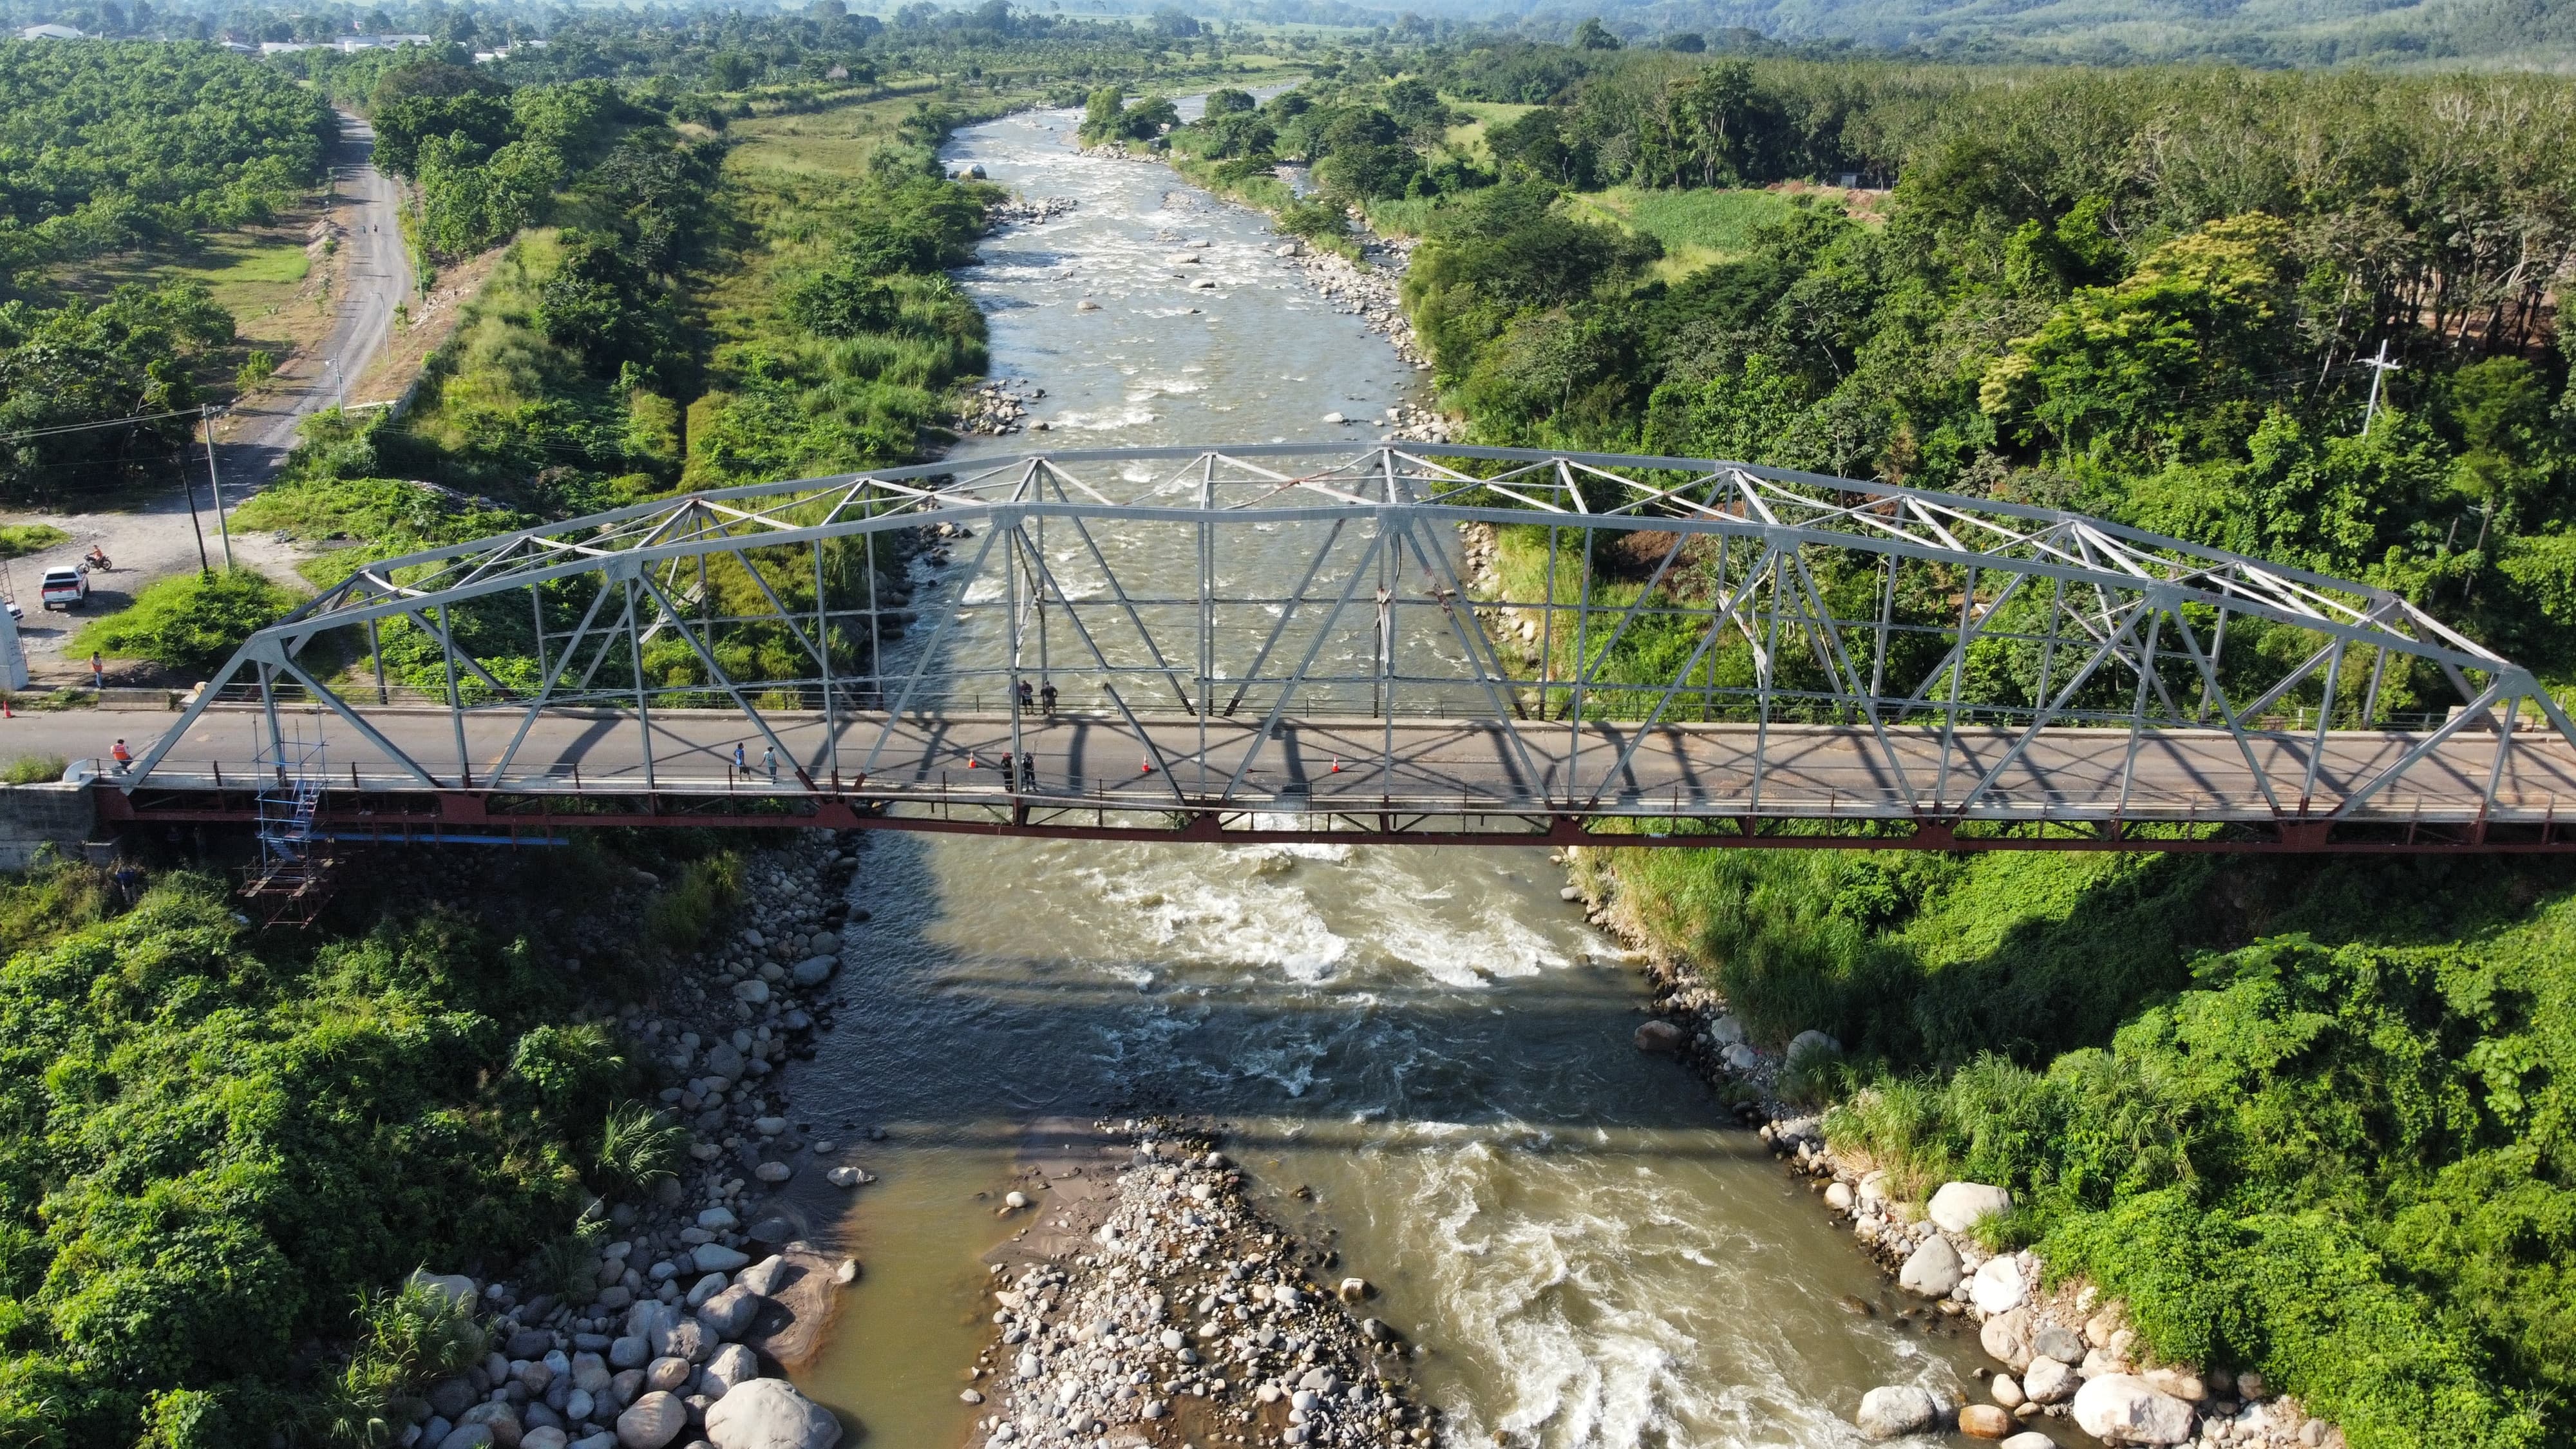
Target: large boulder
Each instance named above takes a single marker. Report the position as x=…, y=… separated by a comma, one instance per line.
x=528, y=1343
x=1984, y=1421
x=814, y=970
x=1932, y=1271
x=2030, y=1439
x=500, y=1418
x=798, y=1305
x=1660, y=1038
x=717, y=1258
x=2049, y=1381
x=2126, y=1409
x=762, y=1277
x=770, y=1414
x=1959, y=1206
x=732, y=1366
x=1892, y=1411
x=455, y=1287
x=2006, y=1337
x=652, y=1422
x=729, y=1313
x=1998, y=1288
x=2051, y=1341
x=1811, y=1041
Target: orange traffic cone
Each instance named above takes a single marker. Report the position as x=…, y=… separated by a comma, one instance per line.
x=1145, y=767
x=972, y=762
x=1337, y=765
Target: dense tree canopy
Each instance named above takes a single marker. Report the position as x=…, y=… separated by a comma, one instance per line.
x=104, y=147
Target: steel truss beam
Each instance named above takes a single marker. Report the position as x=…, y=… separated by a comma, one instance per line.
x=1294, y=628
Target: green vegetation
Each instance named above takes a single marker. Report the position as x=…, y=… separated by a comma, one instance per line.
x=129, y=355
x=2302, y=1116
x=108, y=146
x=223, y=1149
x=190, y=623
x=18, y=539
x=33, y=769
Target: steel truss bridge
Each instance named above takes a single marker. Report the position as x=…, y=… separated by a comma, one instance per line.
x=1387, y=642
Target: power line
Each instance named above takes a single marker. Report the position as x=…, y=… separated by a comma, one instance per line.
x=87, y=427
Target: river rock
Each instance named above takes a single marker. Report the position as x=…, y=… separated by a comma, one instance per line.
x=456, y=1287
x=2007, y=1391
x=717, y=1258
x=1932, y=1271
x=589, y=1372
x=1739, y=1057
x=652, y=1421
x=2126, y=1409
x=2051, y=1341
x=668, y=1374
x=467, y=1436
x=1660, y=1037
x=2030, y=1439
x=1893, y=1411
x=2048, y=1381
x=814, y=970
x=528, y=1343
x=773, y=1172
x=1959, y=1206
x=754, y=992
x=825, y=943
x=500, y=1418
x=450, y=1398
x=1808, y=1041
x=770, y=1414
x=718, y=1220
x=629, y=1352
x=732, y=1365
x=763, y=1277
x=1725, y=1030
x=728, y=1313
x=1984, y=1421
x=548, y=1437
x=1997, y=1288
x=686, y=1339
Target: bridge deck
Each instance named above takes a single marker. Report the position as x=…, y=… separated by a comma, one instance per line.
x=1432, y=767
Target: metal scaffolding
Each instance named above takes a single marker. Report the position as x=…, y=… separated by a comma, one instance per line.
x=1467, y=631
x=291, y=880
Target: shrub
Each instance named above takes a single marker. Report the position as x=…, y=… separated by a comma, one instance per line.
x=192, y=623
x=34, y=769
x=640, y=1148
x=691, y=904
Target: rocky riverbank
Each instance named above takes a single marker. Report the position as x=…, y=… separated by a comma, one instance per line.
x=1149, y=1303
x=2065, y=1353
x=679, y=1325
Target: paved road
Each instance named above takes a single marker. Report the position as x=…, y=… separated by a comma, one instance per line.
x=160, y=539
x=1436, y=766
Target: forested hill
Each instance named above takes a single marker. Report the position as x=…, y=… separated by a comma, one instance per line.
x=2500, y=33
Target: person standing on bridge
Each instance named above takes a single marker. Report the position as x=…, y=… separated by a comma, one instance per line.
x=769, y=763
x=97, y=671
x=739, y=767
x=1026, y=702
x=123, y=757
x=1046, y=696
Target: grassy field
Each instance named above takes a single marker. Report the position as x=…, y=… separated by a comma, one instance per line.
x=1698, y=228
x=1469, y=137
x=278, y=292
x=20, y=539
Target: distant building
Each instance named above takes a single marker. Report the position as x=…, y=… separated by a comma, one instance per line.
x=50, y=32
x=349, y=43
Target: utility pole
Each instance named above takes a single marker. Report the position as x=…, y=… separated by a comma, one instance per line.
x=2379, y=367
x=215, y=484
x=204, y=564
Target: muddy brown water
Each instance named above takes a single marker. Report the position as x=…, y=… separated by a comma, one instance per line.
x=1420, y=1055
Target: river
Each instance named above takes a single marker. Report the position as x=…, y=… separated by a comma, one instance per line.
x=1421, y=1056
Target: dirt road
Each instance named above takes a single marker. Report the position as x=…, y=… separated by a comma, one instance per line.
x=159, y=538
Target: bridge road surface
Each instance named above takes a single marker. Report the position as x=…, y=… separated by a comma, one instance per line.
x=1438, y=766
